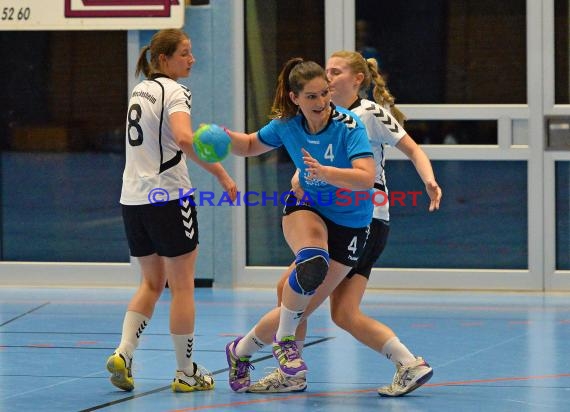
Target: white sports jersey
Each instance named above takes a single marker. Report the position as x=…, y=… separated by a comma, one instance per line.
x=153, y=159
x=382, y=129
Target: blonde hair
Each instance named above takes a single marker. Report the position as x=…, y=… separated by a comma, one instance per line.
x=372, y=75
x=163, y=42
x=294, y=75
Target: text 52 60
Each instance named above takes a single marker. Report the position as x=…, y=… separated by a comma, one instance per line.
x=13, y=13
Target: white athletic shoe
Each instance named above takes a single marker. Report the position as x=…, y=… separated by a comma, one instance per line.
x=408, y=378
x=279, y=382
x=202, y=380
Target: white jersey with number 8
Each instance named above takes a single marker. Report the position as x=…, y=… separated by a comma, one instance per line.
x=153, y=159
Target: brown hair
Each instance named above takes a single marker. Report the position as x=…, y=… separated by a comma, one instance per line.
x=295, y=74
x=372, y=75
x=163, y=42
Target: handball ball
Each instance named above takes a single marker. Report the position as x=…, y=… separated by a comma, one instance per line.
x=211, y=143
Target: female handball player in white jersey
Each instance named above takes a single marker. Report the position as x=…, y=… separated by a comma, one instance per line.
x=161, y=227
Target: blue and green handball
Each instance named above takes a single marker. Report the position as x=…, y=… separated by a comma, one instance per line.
x=211, y=143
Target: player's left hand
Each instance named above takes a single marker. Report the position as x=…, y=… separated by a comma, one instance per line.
x=314, y=169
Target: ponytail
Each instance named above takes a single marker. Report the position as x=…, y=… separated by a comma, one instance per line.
x=283, y=107
x=381, y=93
x=142, y=63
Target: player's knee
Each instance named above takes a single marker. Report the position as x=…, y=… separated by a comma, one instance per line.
x=341, y=317
x=311, y=268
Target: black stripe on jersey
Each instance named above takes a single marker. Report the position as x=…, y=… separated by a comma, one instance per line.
x=361, y=155
x=178, y=156
x=344, y=118
x=383, y=116
x=188, y=96
x=172, y=162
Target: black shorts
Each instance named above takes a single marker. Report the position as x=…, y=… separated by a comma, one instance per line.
x=168, y=229
x=345, y=243
x=379, y=230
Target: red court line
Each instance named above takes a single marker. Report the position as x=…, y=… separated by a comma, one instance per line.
x=86, y=342
x=520, y=322
x=324, y=394
x=509, y=379
x=273, y=399
x=470, y=324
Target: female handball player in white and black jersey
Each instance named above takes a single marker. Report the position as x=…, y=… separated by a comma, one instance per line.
x=161, y=226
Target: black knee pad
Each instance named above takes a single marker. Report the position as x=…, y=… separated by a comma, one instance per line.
x=311, y=273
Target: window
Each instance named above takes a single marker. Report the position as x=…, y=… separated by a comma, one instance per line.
x=561, y=34
x=275, y=32
x=447, y=51
x=62, y=146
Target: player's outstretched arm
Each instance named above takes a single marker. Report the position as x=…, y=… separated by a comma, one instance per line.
x=181, y=125
x=424, y=169
x=246, y=145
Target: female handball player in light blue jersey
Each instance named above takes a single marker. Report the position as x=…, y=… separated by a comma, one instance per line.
x=330, y=147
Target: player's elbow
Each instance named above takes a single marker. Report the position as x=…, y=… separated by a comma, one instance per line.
x=370, y=181
x=184, y=141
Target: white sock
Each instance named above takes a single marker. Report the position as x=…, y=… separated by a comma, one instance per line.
x=288, y=322
x=183, y=346
x=397, y=352
x=133, y=326
x=249, y=344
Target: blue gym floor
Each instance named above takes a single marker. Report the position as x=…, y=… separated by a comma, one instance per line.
x=490, y=352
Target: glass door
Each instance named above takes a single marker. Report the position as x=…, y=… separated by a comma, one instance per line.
x=467, y=99
x=556, y=59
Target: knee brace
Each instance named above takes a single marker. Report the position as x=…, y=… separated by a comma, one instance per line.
x=311, y=266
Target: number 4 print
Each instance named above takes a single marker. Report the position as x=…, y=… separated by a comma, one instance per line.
x=329, y=153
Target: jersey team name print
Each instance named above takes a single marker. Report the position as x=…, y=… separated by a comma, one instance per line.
x=118, y=8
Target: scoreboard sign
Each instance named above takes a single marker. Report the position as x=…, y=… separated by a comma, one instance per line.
x=91, y=14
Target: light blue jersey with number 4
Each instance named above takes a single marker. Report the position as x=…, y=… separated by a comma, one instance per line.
x=341, y=141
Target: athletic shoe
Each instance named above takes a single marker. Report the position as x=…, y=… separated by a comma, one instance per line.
x=239, y=367
x=408, y=378
x=119, y=365
x=202, y=380
x=278, y=382
x=287, y=354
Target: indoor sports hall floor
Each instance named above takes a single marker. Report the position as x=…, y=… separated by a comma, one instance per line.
x=490, y=352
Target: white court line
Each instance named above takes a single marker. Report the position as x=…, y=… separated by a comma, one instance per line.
x=470, y=355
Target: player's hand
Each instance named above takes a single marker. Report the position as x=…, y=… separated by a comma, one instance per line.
x=229, y=186
x=314, y=169
x=434, y=192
